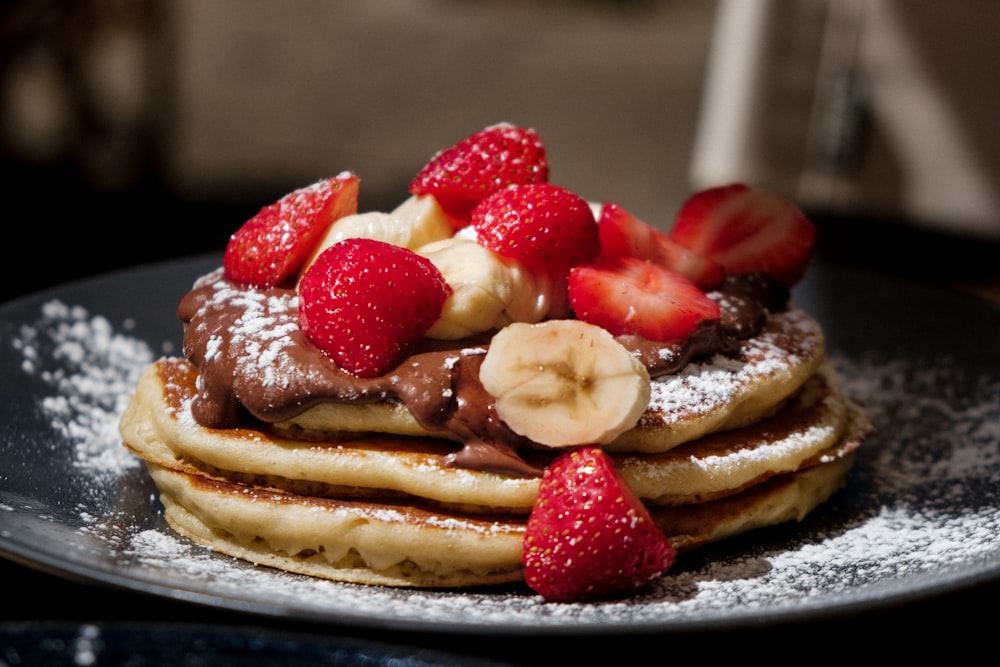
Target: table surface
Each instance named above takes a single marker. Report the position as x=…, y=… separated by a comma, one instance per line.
x=958, y=618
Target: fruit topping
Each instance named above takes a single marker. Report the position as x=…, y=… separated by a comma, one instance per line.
x=414, y=223
x=627, y=295
x=487, y=291
x=564, y=382
x=271, y=247
x=461, y=176
x=544, y=226
x=366, y=302
x=746, y=229
x=588, y=535
x=624, y=235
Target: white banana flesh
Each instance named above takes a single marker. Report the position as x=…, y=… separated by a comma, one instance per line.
x=564, y=383
x=425, y=218
x=488, y=291
x=417, y=221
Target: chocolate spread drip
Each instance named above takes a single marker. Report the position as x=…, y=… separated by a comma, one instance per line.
x=254, y=360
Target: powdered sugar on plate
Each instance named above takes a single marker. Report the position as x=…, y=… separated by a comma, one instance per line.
x=92, y=370
x=922, y=507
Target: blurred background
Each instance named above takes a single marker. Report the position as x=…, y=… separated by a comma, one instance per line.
x=138, y=130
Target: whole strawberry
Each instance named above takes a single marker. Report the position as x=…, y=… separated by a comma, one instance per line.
x=588, y=535
x=460, y=177
x=543, y=226
x=366, y=302
x=271, y=247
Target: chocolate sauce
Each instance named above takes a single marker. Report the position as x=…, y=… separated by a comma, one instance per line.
x=254, y=361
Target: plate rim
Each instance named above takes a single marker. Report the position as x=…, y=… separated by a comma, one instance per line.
x=853, y=601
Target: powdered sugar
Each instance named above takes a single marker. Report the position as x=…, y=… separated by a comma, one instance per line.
x=922, y=506
x=92, y=370
x=704, y=387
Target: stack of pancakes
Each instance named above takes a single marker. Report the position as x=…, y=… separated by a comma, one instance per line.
x=358, y=493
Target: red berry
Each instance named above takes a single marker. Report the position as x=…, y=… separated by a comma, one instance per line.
x=544, y=226
x=588, y=535
x=746, y=230
x=624, y=235
x=626, y=295
x=461, y=176
x=271, y=247
x=366, y=302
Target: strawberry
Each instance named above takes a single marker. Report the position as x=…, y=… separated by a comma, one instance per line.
x=746, y=229
x=272, y=246
x=627, y=295
x=461, y=176
x=588, y=536
x=542, y=225
x=624, y=235
x=366, y=302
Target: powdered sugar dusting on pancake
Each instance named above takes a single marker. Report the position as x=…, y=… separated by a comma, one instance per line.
x=705, y=387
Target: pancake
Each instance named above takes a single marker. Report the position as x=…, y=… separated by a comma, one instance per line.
x=815, y=423
x=401, y=544
x=781, y=499
x=368, y=542
x=157, y=428
x=725, y=392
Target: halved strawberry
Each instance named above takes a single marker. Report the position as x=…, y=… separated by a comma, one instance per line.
x=627, y=295
x=271, y=247
x=542, y=225
x=461, y=176
x=366, y=302
x=624, y=235
x=746, y=229
x=588, y=535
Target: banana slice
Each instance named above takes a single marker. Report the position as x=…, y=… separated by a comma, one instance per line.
x=414, y=223
x=564, y=382
x=487, y=291
x=425, y=218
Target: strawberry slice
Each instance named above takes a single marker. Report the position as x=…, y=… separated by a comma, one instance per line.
x=366, y=302
x=588, y=536
x=461, y=176
x=542, y=225
x=627, y=295
x=624, y=235
x=746, y=229
x=271, y=247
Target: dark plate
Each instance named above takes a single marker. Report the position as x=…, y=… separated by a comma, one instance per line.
x=920, y=515
x=45, y=644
